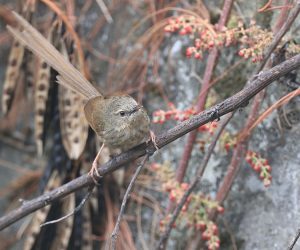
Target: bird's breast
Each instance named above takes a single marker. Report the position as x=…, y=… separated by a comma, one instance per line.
x=128, y=135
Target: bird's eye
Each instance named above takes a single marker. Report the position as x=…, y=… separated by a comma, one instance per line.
x=122, y=113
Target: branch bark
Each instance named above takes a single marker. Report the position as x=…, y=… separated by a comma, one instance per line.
x=232, y=103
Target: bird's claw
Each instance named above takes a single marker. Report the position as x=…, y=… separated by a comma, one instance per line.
x=94, y=173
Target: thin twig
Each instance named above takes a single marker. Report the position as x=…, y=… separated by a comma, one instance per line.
x=281, y=32
x=295, y=240
x=70, y=28
x=139, y=223
x=268, y=111
x=77, y=209
x=163, y=239
x=115, y=232
x=266, y=6
x=231, y=234
x=105, y=11
x=230, y=104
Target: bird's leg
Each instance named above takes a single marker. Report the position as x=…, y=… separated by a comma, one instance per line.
x=94, y=171
x=153, y=139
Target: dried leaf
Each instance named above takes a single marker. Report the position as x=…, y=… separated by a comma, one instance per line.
x=30, y=69
x=40, y=216
x=11, y=75
x=41, y=97
x=86, y=229
x=16, y=58
x=41, y=94
x=73, y=125
x=64, y=228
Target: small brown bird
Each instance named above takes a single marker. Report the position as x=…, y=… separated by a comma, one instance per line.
x=118, y=120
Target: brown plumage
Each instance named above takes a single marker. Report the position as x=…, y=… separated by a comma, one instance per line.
x=117, y=119
x=69, y=76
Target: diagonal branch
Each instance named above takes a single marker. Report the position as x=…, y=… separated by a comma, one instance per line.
x=232, y=103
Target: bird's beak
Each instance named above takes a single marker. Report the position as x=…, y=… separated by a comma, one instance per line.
x=135, y=109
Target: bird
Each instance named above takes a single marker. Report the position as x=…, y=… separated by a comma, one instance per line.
x=119, y=121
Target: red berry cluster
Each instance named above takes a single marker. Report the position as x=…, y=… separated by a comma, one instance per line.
x=199, y=210
x=164, y=174
x=185, y=24
x=196, y=209
x=229, y=141
x=229, y=145
x=191, y=25
x=195, y=212
x=292, y=49
x=161, y=116
x=208, y=40
x=209, y=127
x=254, y=39
x=261, y=166
x=256, y=55
x=163, y=223
x=197, y=218
x=176, y=193
x=211, y=235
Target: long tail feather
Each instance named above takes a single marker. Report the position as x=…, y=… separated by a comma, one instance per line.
x=69, y=75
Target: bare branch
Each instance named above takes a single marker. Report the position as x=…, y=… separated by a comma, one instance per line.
x=115, y=232
x=286, y=27
x=77, y=209
x=295, y=240
x=238, y=100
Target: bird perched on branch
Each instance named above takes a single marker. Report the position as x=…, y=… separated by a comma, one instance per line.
x=118, y=120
